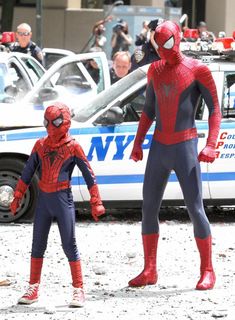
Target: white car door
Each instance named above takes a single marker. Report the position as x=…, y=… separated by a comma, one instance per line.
x=108, y=148
x=71, y=79
x=222, y=172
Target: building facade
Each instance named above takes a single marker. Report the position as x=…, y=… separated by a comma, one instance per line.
x=67, y=24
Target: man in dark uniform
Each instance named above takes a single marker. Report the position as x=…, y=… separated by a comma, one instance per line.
x=121, y=66
x=145, y=52
x=24, y=43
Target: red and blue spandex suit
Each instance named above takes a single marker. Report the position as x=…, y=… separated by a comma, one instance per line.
x=55, y=199
x=54, y=157
x=175, y=84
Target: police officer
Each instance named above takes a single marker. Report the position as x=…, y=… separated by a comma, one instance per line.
x=24, y=43
x=145, y=52
x=121, y=66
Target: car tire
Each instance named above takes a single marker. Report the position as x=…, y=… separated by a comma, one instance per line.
x=10, y=171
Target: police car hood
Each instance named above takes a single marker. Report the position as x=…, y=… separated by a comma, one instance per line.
x=14, y=116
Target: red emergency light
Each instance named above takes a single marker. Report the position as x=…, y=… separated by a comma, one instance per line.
x=191, y=34
x=7, y=37
x=226, y=42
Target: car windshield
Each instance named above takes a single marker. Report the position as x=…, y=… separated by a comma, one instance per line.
x=86, y=111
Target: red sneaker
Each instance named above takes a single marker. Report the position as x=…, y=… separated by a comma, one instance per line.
x=78, y=298
x=31, y=294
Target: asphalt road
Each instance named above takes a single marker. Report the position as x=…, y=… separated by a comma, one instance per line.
x=111, y=254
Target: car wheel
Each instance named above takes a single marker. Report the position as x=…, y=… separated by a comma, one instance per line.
x=10, y=171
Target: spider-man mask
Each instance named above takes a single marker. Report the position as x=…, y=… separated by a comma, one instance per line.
x=57, y=121
x=167, y=42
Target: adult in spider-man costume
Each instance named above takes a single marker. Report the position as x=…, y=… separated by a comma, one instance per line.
x=174, y=85
x=55, y=157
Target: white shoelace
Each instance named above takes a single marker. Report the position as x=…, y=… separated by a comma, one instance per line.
x=31, y=289
x=78, y=294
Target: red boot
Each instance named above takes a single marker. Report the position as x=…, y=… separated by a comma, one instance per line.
x=78, y=298
x=207, y=279
x=31, y=294
x=149, y=274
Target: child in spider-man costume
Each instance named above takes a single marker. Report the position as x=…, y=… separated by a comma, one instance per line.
x=175, y=84
x=55, y=157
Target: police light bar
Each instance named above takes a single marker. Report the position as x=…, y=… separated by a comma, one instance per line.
x=218, y=48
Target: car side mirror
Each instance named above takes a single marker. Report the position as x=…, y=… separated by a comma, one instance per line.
x=74, y=81
x=111, y=117
x=46, y=94
x=11, y=91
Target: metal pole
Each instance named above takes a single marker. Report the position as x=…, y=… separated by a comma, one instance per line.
x=193, y=14
x=39, y=23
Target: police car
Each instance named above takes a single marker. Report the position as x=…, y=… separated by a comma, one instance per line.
x=51, y=55
x=106, y=128
x=19, y=70
x=26, y=87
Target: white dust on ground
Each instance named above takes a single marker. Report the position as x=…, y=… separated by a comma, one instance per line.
x=111, y=253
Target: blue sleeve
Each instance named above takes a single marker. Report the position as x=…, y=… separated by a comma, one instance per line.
x=150, y=101
x=84, y=166
x=30, y=168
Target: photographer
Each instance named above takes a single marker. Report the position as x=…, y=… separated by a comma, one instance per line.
x=98, y=32
x=121, y=39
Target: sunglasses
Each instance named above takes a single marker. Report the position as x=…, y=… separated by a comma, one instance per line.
x=26, y=33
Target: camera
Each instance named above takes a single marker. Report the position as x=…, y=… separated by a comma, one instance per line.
x=118, y=27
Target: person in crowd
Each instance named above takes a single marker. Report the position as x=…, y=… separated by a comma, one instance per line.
x=24, y=43
x=145, y=52
x=175, y=83
x=98, y=32
x=204, y=34
x=222, y=34
x=54, y=157
x=4, y=282
x=121, y=39
x=143, y=36
x=121, y=66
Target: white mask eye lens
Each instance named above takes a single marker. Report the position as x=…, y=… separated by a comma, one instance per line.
x=169, y=43
x=57, y=122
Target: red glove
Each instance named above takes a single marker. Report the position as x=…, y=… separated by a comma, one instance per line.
x=137, y=152
x=207, y=154
x=20, y=190
x=144, y=125
x=97, y=208
x=15, y=205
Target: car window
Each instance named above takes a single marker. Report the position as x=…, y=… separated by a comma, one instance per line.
x=71, y=77
x=3, y=80
x=34, y=70
x=94, y=67
x=51, y=58
x=109, y=97
x=228, y=104
x=18, y=79
x=133, y=105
